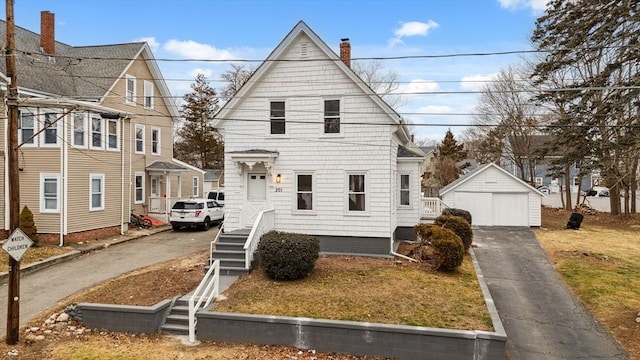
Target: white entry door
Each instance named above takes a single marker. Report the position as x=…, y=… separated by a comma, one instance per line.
x=156, y=204
x=256, y=197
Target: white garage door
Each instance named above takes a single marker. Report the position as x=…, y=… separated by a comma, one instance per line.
x=510, y=209
x=495, y=209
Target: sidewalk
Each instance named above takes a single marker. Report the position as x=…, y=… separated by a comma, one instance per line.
x=79, y=249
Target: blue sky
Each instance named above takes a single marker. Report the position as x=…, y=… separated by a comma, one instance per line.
x=243, y=29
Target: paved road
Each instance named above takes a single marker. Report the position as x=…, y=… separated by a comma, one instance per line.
x=43, y=289
x=541, y=316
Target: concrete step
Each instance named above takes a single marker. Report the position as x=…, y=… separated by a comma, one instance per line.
x=176, y=329
x=233, y=270
x=232, y=239
x=229, y=246
x=227, y=254
x=182, y=319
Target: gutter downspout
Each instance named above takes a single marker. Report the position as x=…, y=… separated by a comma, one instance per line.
x=391, y=240
x=122, y=176
x=130, y=162
x=63, y=171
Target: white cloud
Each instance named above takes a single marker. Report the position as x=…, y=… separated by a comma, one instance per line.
x=420, y=86
x=536, y=5
x=206, y=72
x=151, y=41
x=475, y=82
x=194, y=50
x=412, y=28
x=435, y=109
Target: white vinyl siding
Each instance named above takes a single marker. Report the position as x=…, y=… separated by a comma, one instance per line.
x=155, y=141
x=96, y=192
x=79, y=130
x=148, y=94
x=139, y=188
x=139, y=139
x=130, y=91
x=27, y=127
x=49, y=193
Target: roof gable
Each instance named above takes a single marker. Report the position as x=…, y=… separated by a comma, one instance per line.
x=482, y=169
x=279, y=54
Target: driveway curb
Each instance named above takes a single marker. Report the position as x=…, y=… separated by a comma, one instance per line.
x=82, y=250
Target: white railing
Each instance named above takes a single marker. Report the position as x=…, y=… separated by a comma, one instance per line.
x=205, y=293
x=431, y=208
x=265, y=222
x=227, y=214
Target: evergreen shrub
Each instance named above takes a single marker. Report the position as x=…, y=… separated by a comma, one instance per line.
x=459, y=226
x=28, y=225
x=288, y=256
x=458, y=212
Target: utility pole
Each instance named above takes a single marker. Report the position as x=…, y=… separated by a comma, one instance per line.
x=13, y=291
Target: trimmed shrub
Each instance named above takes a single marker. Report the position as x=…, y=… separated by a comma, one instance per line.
x=288, y=256
x=459, y=226
x=449, y=251
x=28, y=226
x=458, y=212
x=423, y=232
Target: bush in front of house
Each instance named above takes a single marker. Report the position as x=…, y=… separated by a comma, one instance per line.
x=458, y=212
x=449, y=251
x=288, y=256
x=459, y=226
x=28, y=225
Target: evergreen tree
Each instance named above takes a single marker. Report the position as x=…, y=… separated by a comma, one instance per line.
x=450, y=148
x=199, y=143
x=28, y=226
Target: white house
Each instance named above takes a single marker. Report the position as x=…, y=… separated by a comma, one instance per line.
x=495, y=197
x=306, y=137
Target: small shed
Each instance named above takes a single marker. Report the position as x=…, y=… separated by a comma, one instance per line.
x=494, y=197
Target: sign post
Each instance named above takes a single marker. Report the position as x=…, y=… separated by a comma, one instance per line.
x=16, y=245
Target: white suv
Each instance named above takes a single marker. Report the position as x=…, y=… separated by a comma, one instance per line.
x=195, y=213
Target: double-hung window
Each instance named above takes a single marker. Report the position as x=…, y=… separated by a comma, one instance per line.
x=50, y=124
x=195, y=186
x=139, y=139
x=155, y=141
x=357, y=192
x=332, y=116
x=304, y=191
x=27, y=127
x=113, y=127
x=148, y=94
x=96, y=192
x=130, y=91
x=49, y=193
x=405, y=190
x=79, y=129
x=96, y=132
x=277, y=117
x=139, y=188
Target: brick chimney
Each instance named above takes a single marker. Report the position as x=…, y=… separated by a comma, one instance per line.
x=48, y=32
x=345, y=52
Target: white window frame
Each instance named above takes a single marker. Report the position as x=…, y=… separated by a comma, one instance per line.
x=271, y=101
x=108, y=135
x=97, y=117
x=136, y=140
x=141, y=175
x=155, y=143
x=34, y=140
x=339, y=117
x=130, y=92
x=407, y=190
x=93, y=177
x=82, y=116
x=148, y=95
x=296, y=191
x=195, y=186
x=43, y=204
x=53, y=118
x=539, y=181
x=366, y=193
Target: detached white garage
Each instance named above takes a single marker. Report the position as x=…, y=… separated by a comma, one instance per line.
x=494, y=197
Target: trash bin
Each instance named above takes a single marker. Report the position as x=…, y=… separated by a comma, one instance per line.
x=575, y=220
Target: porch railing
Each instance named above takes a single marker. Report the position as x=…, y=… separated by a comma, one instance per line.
x=265, y=222
x=227, y=216
x=205, y=293
x=431, y=208
x=161, y=205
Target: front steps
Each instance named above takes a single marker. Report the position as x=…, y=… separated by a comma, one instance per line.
x=177, y=322
x=230, y=251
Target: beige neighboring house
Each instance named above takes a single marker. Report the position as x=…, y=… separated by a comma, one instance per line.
x=96, y=135
x=430, y=185
x=213, y=180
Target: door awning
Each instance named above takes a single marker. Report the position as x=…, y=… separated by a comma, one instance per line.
x=252, y=157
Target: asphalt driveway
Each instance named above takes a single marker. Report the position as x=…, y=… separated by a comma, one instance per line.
x=541, y=316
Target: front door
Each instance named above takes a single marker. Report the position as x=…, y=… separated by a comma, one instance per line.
x=256, y=196
x=156, y=203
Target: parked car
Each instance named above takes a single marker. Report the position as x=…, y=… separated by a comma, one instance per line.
x=217, y=195
x=195, y=213
x=598, y=191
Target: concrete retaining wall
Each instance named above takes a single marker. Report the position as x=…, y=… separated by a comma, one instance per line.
x=397, y=341
x=134, y=319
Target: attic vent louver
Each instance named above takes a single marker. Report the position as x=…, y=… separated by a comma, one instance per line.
x=304, y=49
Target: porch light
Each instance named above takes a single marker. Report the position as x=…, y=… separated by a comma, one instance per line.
x=278, y=178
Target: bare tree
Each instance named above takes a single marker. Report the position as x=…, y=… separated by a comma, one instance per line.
x=382, y=83
x=235, y=77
